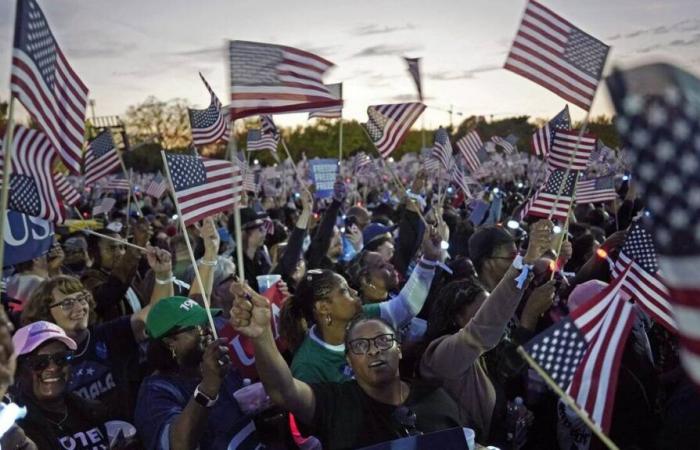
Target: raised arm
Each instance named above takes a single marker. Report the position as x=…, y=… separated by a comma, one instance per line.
x=207, y=264
x=160, y=262
x=292, y=253
x=250, y=315
x=322, y=240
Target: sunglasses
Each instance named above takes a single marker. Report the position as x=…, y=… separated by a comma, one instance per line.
x=41, y=362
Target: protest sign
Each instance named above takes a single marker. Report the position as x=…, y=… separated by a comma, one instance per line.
x=26, y=237
x=323, y=174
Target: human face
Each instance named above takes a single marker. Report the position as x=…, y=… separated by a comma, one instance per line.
x=49, y=368
x=110, y=252
x=256, y=236
x=469, y=310
x=70, y=311
x=342, y=303
x=189, y=344
x=500, y=260
x=380, y=364
x=335, y=249
x=386, y=250
x=382, y=273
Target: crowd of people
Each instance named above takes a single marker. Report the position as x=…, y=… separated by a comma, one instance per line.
x=391, y=314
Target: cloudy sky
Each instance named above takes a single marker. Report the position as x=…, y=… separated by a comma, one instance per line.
x=128, y=50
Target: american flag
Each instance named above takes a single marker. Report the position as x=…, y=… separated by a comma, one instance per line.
x=414, y=70
x=643, y=282
x=457, y=177
x=267, y=78
x=432, y=165
x=388, y=125
x=334, y=112
x=33, y=189
x=507, y=143
x=442, y=148
x=267, y=125
x=657, y=120
x=564, y=150
x=45, y=83
x=542, y=138
x=257, y=140
x=545, y=200
x=582, y=351
x=101, y=158
x=601, y=189
x=249, y=184
x=470, y=145
x=209, y=125
x=361, y=162
x=104, y=206
x=558, y=56
x=203, y=186
x=69, y=194
x=118, y=184
x=157, y=187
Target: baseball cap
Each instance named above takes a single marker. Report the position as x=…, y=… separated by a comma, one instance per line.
x=175, y=312
x=375, y=231
x=29, y=337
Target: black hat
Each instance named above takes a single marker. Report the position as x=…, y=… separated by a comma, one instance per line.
x=251, y=219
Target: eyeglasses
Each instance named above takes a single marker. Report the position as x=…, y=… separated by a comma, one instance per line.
x=68, y=303
x=41, y=362
x=360, y=346
x=407, y=419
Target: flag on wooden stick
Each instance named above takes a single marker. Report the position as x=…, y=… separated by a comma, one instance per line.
x=211, y=124
x=388, y=125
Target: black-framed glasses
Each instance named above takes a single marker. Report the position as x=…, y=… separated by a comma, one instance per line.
x=41, y=362
x=67, y=303
x=361, y=346
x=406, y=419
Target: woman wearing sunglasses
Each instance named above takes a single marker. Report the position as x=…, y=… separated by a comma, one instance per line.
x=56, y=418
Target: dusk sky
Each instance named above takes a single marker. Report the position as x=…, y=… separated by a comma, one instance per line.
x=127, y=50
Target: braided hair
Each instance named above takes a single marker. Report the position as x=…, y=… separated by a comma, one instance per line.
x=450, y=301
x=297, y=314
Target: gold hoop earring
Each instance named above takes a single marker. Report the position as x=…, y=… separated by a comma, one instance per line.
x=329, y=320
x=173, y=353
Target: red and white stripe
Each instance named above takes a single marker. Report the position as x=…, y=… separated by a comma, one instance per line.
x=595, y=381
x=104, y=207
x=301, y=85
x=68, y=192
x=469, y=146
x=538, y=55
x=96, y=168
x=334, y=112
x=542, y=204
x=60, y=111
x=118, y=184
x=586, y=192
x=541, y=140
x=400, y=119
x=648, y=289
x=565, y=154
x=507, y=146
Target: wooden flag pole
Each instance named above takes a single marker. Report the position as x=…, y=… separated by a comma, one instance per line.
x=183, y=226
x=570, y=402
x=6, y=173
x=109, y=238
x=340, y=141
x=237, y=234
x=131, y=193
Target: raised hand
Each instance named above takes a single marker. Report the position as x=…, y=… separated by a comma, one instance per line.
x=160, y=261
x=210, y=236
x=432, y=241
x=540, y=238
x=214, y=366
x=250, y=313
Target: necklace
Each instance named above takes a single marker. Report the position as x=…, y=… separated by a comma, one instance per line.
x=87, y=344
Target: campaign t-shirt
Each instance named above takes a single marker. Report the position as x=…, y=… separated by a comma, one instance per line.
x=163, y=397
x=101, y=365
x=347, y=418
x=81, y=429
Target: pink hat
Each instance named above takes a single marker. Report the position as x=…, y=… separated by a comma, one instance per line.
x=583, y=292
x=29, y=337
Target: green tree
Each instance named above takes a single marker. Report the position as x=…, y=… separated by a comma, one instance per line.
x=154, y=121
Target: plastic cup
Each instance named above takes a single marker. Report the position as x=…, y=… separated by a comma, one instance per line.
x=265, y=282
x=252, y=398
x=470, y=436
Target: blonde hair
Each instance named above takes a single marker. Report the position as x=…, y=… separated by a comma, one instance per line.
x=37, y=307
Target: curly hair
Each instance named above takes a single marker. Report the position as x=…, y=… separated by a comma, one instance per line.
x=362, y=318
x=450, y=301
x=297, y=314
x=37, y=307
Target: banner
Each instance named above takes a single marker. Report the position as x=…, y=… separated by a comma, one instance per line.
x=26, y=237
x=323, y=174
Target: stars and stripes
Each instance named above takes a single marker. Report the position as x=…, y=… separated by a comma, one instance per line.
x=657, y=120
x=388, y=125
x=548, y=200
x=104, y=206
x=69, y=194
x=33, y=189
x=267, y=78
x=564, y=152
x=582, y=351
x=643, y=282
x=457, y=177
x=442, y=148
x=432, y=165
x=101, y=158
x=157, y=187
x=414, y=69
x=249, y=184
x=333, y=112
x=118, y=183
x=267, y=125
x=555, y=54
x=257, y=140
x=507, y=143
x=601, y=189
x=211, y=124
x=542, y=138
x=202, y=186
x=472, y=149
x=360, y=163
x=48, y=87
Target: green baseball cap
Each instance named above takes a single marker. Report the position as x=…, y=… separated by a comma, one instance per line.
x=175, y=312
